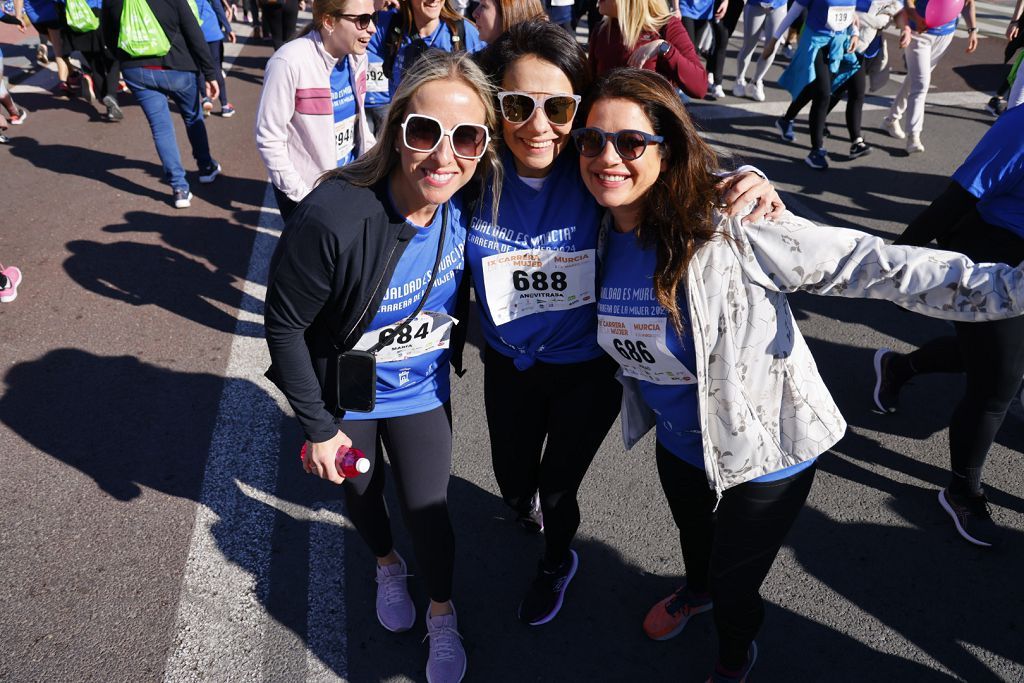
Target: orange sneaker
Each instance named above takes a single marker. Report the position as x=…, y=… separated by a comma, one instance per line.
x=667, y=618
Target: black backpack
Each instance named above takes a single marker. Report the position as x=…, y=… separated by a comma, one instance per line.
x=398, y=30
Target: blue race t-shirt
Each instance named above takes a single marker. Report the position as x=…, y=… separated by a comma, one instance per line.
x=994, y=172
x=633, y=328
x=39, y=11
x=697, y=9
x=209, y=22
x=441, y=39
x=943, y=30
x=535, y=272
x=829, y=17
x=343, y=100
x=412, y=369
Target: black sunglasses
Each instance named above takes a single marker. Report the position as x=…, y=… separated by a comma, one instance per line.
x=518, y=107
x=422, y=133
x=362, y=21
x=630, y=144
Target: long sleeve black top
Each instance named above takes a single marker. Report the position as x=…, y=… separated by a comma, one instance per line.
x=189, y=51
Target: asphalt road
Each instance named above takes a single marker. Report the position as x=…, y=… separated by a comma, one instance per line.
x=157, y=526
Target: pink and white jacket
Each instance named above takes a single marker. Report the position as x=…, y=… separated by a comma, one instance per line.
x=295, y=119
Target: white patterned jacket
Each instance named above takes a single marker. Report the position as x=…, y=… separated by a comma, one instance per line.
x=763, y=405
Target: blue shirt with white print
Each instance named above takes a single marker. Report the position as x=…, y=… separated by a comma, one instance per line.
x=635, y=331
x=343, y=101
x=419, y=381
x=535, y=272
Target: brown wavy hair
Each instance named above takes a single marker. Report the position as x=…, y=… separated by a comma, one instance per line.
x=676, y=215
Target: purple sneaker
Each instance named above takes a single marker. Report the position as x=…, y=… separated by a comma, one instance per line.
x=395, y=610
x=447, y=660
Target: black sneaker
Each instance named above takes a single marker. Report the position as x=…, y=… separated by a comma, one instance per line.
x=533, y=519
x=996, y=106
x=887, y=389
x=859, y=149
x=547, y=592
x=114, y=112
x=744, y=673
x=972, y=517
x=209, y=173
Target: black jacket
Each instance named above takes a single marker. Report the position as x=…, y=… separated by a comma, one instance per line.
x=328, y=276
x=189, y=51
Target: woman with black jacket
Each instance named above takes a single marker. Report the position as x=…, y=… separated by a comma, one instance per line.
x=372, y=260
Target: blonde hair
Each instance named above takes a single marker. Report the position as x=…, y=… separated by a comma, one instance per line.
x=637, y=16
x=433, y=65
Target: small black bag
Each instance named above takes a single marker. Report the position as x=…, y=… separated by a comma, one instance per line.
x=356, y=371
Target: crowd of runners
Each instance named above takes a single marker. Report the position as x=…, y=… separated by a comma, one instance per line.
x=618, y=270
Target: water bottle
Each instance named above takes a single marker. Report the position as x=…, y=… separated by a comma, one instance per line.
x=351, y=462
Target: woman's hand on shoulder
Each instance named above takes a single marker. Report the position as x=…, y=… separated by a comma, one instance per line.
x=644, y=54
x=320, y=460
x=740, y=189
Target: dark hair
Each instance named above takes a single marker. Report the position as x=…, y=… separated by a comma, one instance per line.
x=676, y=217
x=542, y=39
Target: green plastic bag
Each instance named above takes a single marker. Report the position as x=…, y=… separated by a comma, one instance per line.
x=195, y=10
x=141, y=35
x=80, y=16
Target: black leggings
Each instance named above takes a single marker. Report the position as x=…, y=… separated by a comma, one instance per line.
x=854, y=88
x=990, y=353
x=217, y=54
x=280, y=18
x=716, y=58
x=106, y=71
x=729, y=552
x=818, y=92
x=573, y=406
x=419, y=448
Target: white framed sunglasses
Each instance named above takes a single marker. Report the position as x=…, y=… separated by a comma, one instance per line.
x=422, y=133
x=518, y=107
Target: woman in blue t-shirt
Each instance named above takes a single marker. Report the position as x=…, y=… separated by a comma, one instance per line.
x=403, y=34
x=698, y=14
x=549, y=391
x=692, y=306
x=925, y=48
x=216, y=28
x=980, y=214
x=372, y=261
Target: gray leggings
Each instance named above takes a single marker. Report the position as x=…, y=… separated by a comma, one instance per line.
x=756, y=18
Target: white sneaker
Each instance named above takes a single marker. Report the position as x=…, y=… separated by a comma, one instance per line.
x=755, y=91
x=716, y=92
x=914, y=145
x=893, y=128
x=740, y=89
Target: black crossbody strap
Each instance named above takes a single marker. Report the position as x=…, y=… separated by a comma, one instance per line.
x=430, y=283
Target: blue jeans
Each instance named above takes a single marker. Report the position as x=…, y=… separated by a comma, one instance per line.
x=151, y=88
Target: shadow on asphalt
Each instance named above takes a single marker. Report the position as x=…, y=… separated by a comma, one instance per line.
x=130, y=426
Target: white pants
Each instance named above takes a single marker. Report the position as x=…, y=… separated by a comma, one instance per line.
x=1016, y=95
x=923, y=53
x=756, y=18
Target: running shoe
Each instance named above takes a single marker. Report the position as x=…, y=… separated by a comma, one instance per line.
x=667, y=618
x=395, y=610
x=64, y=90
x=740, y=89
x=20, y=117
x=114, y=112
x=122, y=87
x=182, y=199
x=742, y=676
x=227, y=111
x=533, y=519
x=4, y=139
x=755, y=91
x=887, y=387
x=972, y=517
x=715, y=92
x=996, y=106
x=817, y=159
x=785, y=128
x=209, y=173
x=893, y=128
x=87, y=91
x=789, y=50
x=446, y=662
x=12, y=280
x=547, y=593
x=914, y=145
x=207, y=106
x=859, y=149
x=42, y=55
